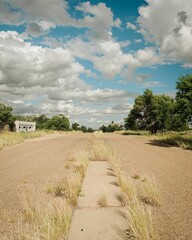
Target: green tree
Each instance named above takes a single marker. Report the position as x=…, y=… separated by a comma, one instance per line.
x=90, y=130
x=59, y=122
x=83, y=129
x=41, y=121
x=75, y=126
x=151, y=112
x=184, y=98
x=6, y=117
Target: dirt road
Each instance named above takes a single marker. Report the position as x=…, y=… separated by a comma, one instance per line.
x=35, y=162
x=172, y=168
x=38, y=161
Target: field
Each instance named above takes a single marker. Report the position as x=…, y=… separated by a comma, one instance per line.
x=41, y=181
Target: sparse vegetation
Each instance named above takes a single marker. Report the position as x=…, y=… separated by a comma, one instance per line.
x=178, y=140
x=100, y=152
x=52, y=221
x=150, y=193
x=102, y=201
x=139, y=222
x=12, y=138
x=136, y=176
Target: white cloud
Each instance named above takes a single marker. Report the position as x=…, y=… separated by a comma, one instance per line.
x=40, y=16
x=130, y=25
x=138, y=40
x=168, y=23
x=99, y=18
x=49, y=81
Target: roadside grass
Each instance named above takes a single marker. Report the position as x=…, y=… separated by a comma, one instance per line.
x=150, y=193
x=133, y=132
x=102, y=200
x=100, y=152
x=137, y=217
x=139, y=222
x=13, y=138
x=183, y=141
x=124, y=183
x=51, y=223
x=51, y=220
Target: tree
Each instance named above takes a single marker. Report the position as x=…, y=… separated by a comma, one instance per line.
x=6, y=118
x=75, y=126
x=41, y=121
x=83, y=129
x=59, y=122
x=151, y=112
x=184, y=98
x=90, y=130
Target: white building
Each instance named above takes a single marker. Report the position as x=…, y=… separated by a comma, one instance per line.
x=25, y=126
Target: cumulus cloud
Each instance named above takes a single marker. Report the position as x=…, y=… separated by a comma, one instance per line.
x=168, y=23
x=99, y=18
x=40, y=16
x=49, y=81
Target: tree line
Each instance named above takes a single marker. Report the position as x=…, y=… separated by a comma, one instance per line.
x=161, y=112
x=58, y=122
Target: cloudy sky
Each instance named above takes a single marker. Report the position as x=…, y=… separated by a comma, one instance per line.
x=90, y=59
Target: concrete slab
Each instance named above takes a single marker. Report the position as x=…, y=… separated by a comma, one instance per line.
x=95, y=186
x=98, y=168
x=95, y=224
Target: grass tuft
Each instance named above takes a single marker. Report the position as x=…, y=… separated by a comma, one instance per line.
x=100, y=152
x=102, y=201
x=150, y=193
x=139, y=223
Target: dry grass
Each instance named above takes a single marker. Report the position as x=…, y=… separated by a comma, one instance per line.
x=139, y=222
x=150, y=193
x=51, y=220
x=136, y=176
x=100, y=152
x=124, y=183
x=12, y=138
x=51, y=223
x=30, y=205
x=183, y=140
x=102, y=201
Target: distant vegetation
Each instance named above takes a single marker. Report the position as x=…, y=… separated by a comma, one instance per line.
x=58, y=123
x=111, y=127
x=160, y=113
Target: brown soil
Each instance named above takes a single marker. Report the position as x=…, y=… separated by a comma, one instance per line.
x=33, y=163
x=172, y=168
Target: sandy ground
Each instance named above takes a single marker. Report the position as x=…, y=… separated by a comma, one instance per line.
x=33, y=163
x=172, y=168
x=36, y=162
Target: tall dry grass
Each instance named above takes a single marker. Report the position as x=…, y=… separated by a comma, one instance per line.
x=51, y=220
x=150, y=192
x=100, y=152
x=12, y=138
x=139, y=222
x=178, y=140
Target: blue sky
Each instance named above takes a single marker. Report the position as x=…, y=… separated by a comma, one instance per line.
x=90, y=59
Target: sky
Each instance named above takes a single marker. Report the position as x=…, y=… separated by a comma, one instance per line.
x=89, y=60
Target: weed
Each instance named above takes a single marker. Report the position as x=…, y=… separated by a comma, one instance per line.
x=100, y=152
x=139, y=223
x=136, y=176
x=30, y=205
x=175, y=139
x=102, y=201
x=150, y=193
